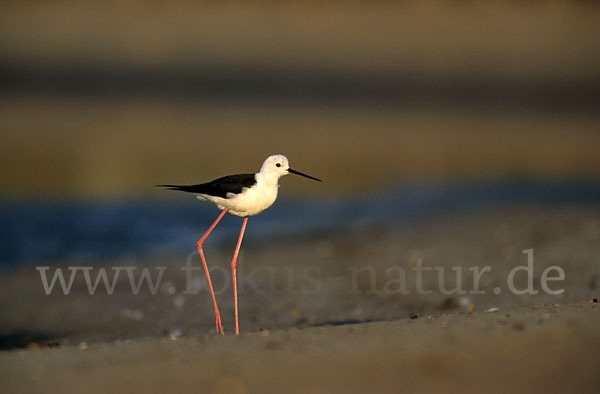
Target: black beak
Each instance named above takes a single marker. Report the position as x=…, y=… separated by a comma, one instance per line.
x=304, y=175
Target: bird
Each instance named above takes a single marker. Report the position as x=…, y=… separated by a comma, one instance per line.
x=242, y=195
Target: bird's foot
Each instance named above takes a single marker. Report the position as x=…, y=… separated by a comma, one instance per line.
x=218, y=323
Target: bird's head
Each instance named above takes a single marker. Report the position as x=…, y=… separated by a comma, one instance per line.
x=277, y=166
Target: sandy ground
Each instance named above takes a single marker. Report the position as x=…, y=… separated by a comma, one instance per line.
x=325, y=314
x=550, y=349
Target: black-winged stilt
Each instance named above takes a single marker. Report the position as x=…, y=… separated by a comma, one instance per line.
x=242, y=195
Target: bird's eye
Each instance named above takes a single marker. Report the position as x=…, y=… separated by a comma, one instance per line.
x=278, y=164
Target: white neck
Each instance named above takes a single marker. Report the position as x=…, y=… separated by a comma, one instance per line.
x=268, y=179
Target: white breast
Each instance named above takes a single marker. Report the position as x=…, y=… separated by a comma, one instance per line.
x=251, y=201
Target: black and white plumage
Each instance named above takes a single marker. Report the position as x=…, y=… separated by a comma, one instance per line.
x=231, y=184
x=244, y=194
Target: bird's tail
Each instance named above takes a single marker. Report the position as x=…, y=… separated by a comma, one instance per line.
x=181, y=188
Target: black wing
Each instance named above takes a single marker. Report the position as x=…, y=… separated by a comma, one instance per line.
x=219, y=187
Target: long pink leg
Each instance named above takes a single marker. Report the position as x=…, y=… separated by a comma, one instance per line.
x=212, y=292
x=234, y=274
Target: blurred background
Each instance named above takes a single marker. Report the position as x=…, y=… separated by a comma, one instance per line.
x=104, y=99
x=407, y=110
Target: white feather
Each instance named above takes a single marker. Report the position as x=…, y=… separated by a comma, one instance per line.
x=253, y=200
